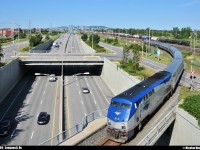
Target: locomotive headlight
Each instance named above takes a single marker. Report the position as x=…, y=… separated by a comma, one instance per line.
x=123, y=126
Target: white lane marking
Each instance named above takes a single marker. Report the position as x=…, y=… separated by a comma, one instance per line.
x=27, y=101
x=82, y=102
x=41, y=101
x=14, y=100
x=36, y=83
x=32, y=134
x=101, y=91
x=95, y=102
x=91, y=93
x=37, y=114
x=44, y=92
x=85, y=114
x=46, y=84
x=79, y=92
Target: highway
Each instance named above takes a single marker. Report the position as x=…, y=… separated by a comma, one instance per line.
x=77, y=103
x=35, y=94
x=9, y=50
x=31, y=96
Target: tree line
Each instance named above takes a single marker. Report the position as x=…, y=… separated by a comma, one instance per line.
x=177, y=33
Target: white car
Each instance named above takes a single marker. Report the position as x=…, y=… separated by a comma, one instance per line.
x=85, y=90
x=52, y=79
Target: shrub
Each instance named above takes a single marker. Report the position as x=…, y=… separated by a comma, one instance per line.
x=191, y=104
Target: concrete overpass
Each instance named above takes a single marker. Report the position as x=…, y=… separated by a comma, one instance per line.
x=59, y=59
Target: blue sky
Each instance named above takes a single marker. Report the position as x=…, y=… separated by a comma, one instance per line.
x=156, y=14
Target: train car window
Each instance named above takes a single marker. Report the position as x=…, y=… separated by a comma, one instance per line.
x=115, y=104
x=126, y=106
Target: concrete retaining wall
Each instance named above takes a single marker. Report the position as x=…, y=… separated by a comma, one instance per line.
x=10, y=75
x=117, y=79
x=186, y=130
x=42, y=48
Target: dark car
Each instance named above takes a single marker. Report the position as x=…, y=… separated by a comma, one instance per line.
x=5, y=126
x=42, y=118
x=85, y=90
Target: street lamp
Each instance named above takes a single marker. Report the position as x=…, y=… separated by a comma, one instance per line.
x=92, y=37
x=126, y=36
x=85, y=73
x=18, y=35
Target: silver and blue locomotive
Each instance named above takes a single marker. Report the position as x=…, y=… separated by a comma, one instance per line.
x=128, y=109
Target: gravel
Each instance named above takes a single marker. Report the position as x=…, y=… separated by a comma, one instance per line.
x=94, y=139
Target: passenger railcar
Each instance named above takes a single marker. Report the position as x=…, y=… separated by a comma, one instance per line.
x=128, y=110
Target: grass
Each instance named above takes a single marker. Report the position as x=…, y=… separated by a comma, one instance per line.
x=2, y=64
x=143, y=72
x=16, y=41
x=54, y=37
x=24, y=49
x=98, y=48
x=191, y=102
x=185, y=92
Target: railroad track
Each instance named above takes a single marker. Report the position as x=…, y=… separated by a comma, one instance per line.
x=108, y=142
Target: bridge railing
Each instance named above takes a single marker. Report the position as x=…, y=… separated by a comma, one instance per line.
x=158, y=130
x=56, y=140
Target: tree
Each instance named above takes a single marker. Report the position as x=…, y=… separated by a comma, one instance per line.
x=175, y=32
x=84, y=37
x=115, y=42
x=47, y=37
x=95, y=40
x=35, y=40
x=136, y=57
x=126, y=51
x=134, y=48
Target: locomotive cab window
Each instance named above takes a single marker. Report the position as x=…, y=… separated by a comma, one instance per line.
x=126, y=106
x=115, y=104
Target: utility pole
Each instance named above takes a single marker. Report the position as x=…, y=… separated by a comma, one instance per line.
x=13, y=32
x=126, y=36
x=92, y=37
x=149, y=39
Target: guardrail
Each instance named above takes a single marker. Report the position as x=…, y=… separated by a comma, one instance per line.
x=56, y=140
x=158, y=130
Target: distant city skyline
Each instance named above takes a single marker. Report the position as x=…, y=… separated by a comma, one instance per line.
x=156, y=14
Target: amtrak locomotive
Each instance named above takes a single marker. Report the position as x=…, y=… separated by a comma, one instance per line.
x=128, y=110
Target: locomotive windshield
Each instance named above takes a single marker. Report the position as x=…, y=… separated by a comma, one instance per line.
x=115, y=104
x=126, y=106
x=121, y=105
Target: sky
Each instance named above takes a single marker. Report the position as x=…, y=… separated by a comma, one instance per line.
x=140, y=14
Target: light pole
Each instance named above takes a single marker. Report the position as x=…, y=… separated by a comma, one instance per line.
x=18, y=36
x=142, y=49
x=92, y=38
x=85, y=73
x=149, y=40
x=126, y=36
